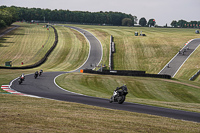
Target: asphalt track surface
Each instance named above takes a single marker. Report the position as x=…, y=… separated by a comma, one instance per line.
x=45, y=87
x=5, y=32
x=179, y=59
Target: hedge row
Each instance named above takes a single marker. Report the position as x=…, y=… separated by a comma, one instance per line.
x=126, y=73
x=40, y=62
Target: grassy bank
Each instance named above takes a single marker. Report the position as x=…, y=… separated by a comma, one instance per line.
x=24, y=44
x=151, y=91
x=70, y=53
x=24, y=114
x=27, y=44
x=21, y=114
x=150, y=53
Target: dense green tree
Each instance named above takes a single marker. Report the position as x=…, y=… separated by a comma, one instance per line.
x=28, y=14
x=181, y=23
x=184, y=24
x=174, y=23
x=143, y=21
x=127, y=22
x=6, y=18
x=151, y=22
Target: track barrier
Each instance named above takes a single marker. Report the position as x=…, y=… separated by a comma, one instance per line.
x=195, y=76
x=126, y=73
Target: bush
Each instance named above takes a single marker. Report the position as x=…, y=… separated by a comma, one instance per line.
x=2, y=24
x=126, y=22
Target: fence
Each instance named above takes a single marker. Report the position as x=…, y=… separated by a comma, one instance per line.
x=195, y=76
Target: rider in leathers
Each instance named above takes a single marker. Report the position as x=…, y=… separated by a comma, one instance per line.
x=124, y=87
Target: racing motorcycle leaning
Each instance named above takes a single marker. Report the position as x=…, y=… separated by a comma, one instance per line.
x=119, y=95
x=36, y=74
x=21, y=79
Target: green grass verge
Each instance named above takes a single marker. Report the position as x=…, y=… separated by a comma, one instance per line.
x=151, y=91
x=21, y=114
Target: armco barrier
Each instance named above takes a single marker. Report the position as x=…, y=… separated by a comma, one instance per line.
x=195, y=76
x=126, y=73
x=40, y=62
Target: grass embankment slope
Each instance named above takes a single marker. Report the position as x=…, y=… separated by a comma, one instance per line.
x=148, y=53
x=21, y=114
x=40, y=115
x=25, y=45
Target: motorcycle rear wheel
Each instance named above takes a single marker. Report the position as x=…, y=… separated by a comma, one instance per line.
x=121, y=99
x=20, y=82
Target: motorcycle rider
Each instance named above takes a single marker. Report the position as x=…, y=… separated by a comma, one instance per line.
x=36, y=73
x=22, y=76
x=123, y=88
x=41, y=71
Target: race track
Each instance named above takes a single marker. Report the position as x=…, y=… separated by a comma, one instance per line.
x=179, y=59
x=44, y=86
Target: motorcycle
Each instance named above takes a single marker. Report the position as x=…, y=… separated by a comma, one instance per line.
x=20, y=80
x=118, y=96
x=40, y=73
x=36, y=75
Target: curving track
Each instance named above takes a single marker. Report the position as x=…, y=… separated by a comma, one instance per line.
x=179, y=59
x=45, y=87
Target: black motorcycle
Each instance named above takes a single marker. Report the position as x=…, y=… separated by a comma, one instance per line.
x=20, y=80
x=36, y=75
x=119, y=96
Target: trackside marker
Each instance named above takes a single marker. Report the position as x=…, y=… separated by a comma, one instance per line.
x=11, y=91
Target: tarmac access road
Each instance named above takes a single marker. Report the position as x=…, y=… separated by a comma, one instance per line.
x=179, y=59
x=7, y=31
x=45, y=87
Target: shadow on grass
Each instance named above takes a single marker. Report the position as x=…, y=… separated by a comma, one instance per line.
x=1, y=45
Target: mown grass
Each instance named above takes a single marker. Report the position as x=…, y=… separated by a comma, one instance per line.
x=70, y=53
x=25, y=44
x=150, y=53
x=21, y=114
x=149, y=91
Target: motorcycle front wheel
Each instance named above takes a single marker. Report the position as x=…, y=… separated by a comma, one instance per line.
x=111, y=100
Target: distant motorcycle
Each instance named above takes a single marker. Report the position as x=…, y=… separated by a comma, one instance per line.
x=40, y=73
x=36, y=74
x=119, y=96
x=20, y=80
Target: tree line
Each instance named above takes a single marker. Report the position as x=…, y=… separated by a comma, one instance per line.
x=8, y=15
x=143, y=22
x=185, y=24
